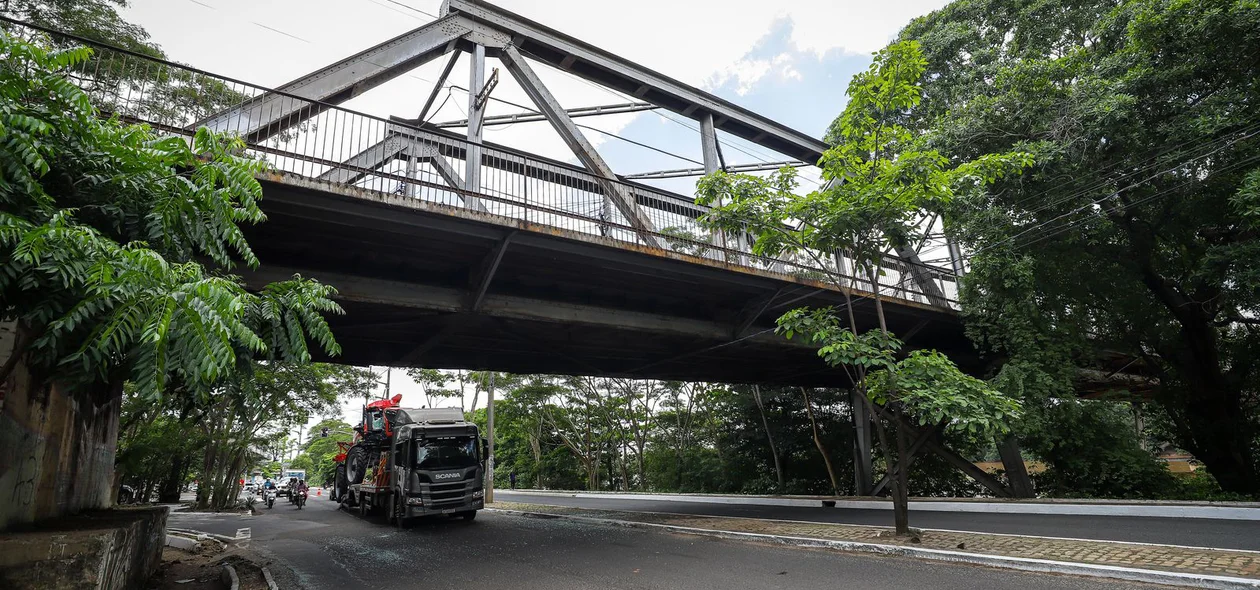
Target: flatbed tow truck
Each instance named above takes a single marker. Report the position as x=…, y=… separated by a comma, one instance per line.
x=411, y=462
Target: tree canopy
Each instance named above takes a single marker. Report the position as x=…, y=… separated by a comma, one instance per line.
x=102, y=225
x=1136, y=233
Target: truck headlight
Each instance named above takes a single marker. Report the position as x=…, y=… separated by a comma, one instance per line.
x=415, y=501
x=479, y=494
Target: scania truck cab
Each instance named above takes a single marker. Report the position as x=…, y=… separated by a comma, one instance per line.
x=438, y=465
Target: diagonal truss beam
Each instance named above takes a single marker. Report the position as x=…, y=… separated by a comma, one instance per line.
x=479, y=278
x=582, y=148
x=399, y=146
x=270, y=113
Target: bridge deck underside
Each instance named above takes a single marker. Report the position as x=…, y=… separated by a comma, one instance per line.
x=410, y=273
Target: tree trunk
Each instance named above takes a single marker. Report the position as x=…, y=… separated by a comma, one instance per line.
x=774, y=451
x=901, y=508
x=831, y=471
x=1222, y=439
x=169, y=493
x=901, y=491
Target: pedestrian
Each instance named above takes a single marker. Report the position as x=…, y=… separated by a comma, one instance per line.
x=512, y=478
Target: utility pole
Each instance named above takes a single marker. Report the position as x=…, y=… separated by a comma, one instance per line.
x=490, y=439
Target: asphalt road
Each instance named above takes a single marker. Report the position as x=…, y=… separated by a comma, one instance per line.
x=1219, y=534
x=322, y=548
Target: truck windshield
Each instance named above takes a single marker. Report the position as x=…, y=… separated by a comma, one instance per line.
x=446, y=453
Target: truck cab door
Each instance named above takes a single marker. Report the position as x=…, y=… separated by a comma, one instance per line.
x=399, y=459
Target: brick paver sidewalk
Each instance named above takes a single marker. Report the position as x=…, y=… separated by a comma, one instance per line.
x=1220, y=562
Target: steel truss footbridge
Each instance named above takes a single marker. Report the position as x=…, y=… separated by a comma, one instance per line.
x=450, y=251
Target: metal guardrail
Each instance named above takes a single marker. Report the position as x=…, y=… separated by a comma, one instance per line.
x=326, y=142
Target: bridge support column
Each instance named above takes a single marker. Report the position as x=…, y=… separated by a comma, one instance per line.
x=472, y=169
x=713, y=163
x=862, y=463
x=1013, y=464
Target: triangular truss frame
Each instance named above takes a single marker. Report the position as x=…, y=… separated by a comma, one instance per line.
x=482, y=29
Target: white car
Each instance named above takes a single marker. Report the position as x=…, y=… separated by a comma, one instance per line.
x=282, y=489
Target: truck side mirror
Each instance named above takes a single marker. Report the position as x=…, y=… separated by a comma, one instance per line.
x=485, y=449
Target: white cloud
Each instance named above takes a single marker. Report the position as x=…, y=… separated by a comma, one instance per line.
x=745, y=73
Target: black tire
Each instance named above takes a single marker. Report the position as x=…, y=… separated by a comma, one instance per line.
x=340, y=484
x=399, y=512
x=469, y=516
x=356, y=464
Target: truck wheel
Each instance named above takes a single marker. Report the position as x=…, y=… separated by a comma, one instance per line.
x=340, y=484
x=469, y=516
x=363, y=506
x=400, y=513
x=356, y=464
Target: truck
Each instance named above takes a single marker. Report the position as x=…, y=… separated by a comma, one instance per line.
x=406, y=463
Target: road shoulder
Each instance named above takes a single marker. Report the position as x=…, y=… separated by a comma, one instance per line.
x=1160, y=564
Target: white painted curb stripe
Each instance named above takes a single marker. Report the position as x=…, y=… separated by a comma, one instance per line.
x=997, y=561
x=1142, y=510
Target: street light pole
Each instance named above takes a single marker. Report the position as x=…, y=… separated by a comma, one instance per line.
x=490, y=444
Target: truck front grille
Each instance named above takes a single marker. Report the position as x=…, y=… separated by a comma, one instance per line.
x=438, y=494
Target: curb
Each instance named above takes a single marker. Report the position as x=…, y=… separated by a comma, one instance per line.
x=230, y=578
x=1076, y=508
x=996, y=561
x=181, y=542
x=271, y=582
x=202, y=535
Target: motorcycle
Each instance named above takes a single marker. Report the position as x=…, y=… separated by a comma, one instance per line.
x=300, y=499
x=269, y=496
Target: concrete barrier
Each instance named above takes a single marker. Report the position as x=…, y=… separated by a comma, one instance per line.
x=1222, y=511
x=106, y=550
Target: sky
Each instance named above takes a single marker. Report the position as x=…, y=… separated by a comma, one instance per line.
x=789, y=60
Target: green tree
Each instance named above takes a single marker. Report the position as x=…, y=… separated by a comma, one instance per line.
x=320, y=451
x=881, y=176
x=253, y=409
x=101, y=226
x=1136, y=232
x=120, y=83
x=100, y=223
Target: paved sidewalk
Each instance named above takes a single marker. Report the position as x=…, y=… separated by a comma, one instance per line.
x=1215, y=562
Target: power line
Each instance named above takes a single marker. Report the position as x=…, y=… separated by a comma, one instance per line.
x=1179, y=147
x=412, y=8
x=392, y=9
x=1116, y=193
x=763, y=158
x=274, y=30
x=1141, y=201
x=608, y=133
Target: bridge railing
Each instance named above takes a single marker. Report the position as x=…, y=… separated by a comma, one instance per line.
x=337, y=145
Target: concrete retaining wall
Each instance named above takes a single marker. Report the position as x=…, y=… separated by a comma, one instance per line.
x=57, y=446
x=102, y=550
